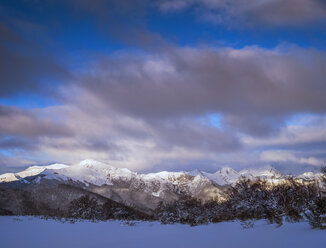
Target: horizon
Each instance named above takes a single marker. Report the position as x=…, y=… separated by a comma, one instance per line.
x=163, y=85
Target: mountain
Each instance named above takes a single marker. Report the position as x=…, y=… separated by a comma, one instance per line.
x=97, y=173
x=54, y=186
x=142, y=191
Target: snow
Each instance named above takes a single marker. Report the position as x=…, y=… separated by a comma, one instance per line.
x=93, y=172
x=8, y=177
x=84, y=173
x=30, y=171
x=229, y=176
x=310, y=175
x=33, y=232
x=35, y=170
x=56, y=166
x=165, y=175
x=87, y=162
x=225, y=176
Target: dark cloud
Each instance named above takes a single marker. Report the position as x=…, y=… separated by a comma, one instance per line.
x=18, y=143
x=82, y=143
x=289, y=12
x=254, y=125
x=13, y=164
x=191, y=134
x=16, y=122
x=254, y=88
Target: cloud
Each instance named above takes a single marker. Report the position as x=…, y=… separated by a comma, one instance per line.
x=255, y=89
x=148, y=108
x=309, y=136
x=132, y=141
x=286, y=156
x=13, y=164
x=144, y=111
x=16, y=122
x=113, y=137
x=253, y=12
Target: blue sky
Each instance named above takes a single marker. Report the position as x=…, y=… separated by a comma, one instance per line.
x=163, y=84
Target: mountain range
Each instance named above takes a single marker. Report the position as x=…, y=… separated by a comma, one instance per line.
x=98, y=173
x=59, y=183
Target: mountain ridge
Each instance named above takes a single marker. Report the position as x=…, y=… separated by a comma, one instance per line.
x=92, y=171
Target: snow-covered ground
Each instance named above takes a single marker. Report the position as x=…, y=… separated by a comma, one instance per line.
x=34, y=232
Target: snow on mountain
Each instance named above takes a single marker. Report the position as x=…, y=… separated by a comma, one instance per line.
x=8, y=177
x=310, y=176
x=165, y=175
x=91, y=171
x=188, y=181
x=221, y=177
x=261, y=173
x=225, y=176
x=98, y=173
x=30, y=171
x=228, y=175
x=35, y=170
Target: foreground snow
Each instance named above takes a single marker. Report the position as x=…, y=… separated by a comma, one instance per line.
x=34, y=232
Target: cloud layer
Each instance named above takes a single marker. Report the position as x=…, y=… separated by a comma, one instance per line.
x=254, y=88
x=143, y=111
x=122, y=91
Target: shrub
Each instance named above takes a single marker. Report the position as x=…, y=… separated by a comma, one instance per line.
x=85, y=207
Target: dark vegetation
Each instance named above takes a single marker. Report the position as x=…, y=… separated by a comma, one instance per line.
x=246, y=201
x=249, y=200
x=87, y=207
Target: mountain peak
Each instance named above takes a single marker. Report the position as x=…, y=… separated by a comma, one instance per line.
x=89, y=162
x=228, y=170
x=261, y=172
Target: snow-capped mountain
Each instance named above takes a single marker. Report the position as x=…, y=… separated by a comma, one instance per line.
x=228, y=176
x=222, y=177
x=118, y=184
x=54, y=189
x=97, y=173
x=144, y=191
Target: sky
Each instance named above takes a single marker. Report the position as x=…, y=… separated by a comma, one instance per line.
x=163, y=85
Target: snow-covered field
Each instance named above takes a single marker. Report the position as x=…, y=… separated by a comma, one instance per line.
x=34, y=232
